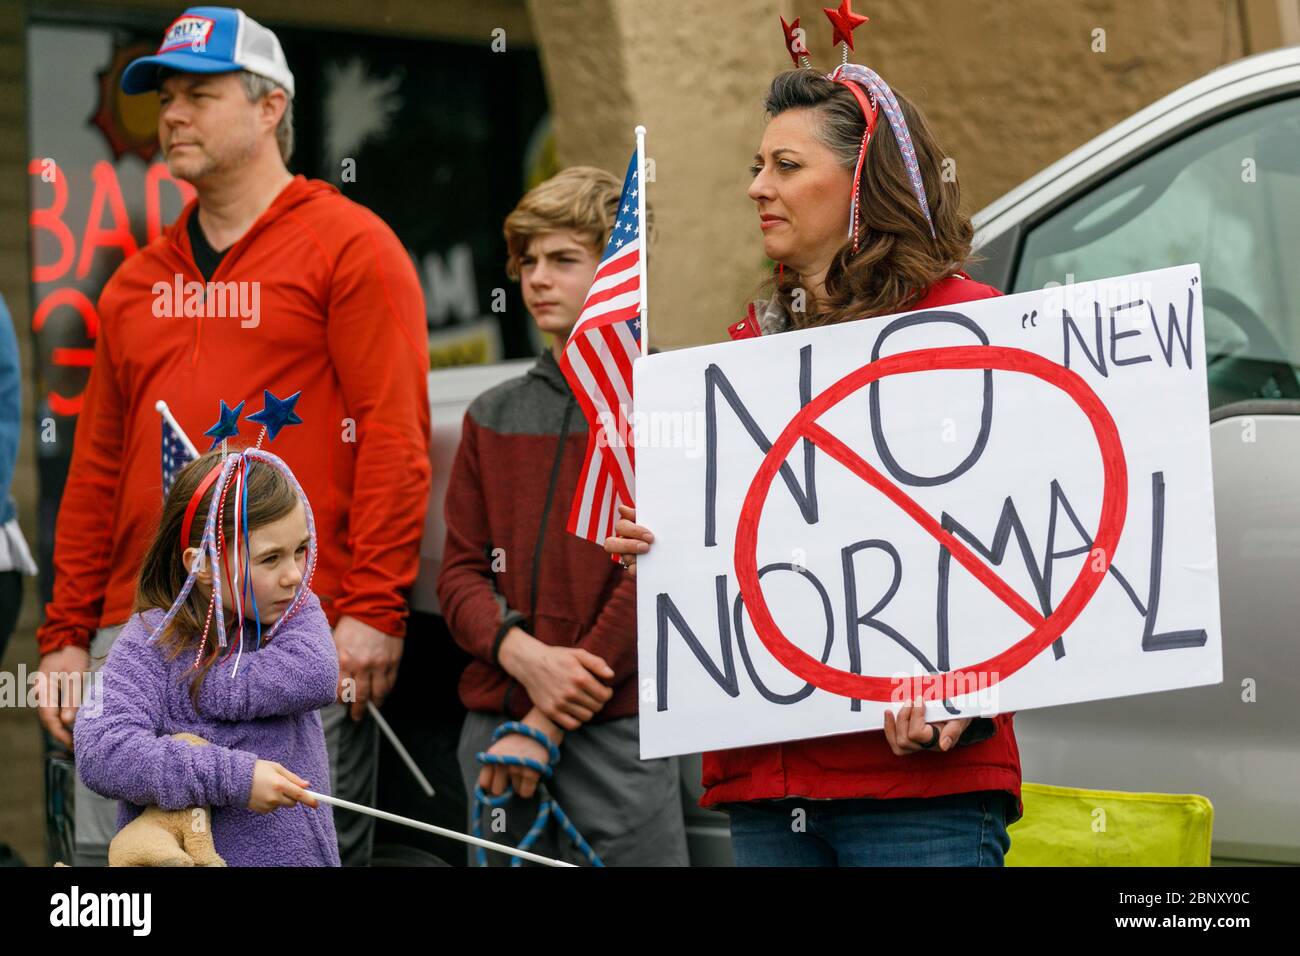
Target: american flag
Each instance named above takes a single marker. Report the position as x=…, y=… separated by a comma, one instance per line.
x=597, y=362
x=177, y=449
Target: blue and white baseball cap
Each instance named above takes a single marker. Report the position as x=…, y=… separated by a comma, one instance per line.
x=212, y=40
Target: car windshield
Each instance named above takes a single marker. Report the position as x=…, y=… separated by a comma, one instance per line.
x=1226, y=196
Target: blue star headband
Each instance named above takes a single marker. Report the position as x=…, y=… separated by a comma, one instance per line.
x=274, y=415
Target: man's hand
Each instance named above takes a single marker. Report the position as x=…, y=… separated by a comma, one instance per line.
x=494, y=778
x=909, y=731
x=564, y=682
x=58, y=713
x=369, y=657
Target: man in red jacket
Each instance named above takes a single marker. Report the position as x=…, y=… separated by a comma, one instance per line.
x=329, y=305
x=548, y=618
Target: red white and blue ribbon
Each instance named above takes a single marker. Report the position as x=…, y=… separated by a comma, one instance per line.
x=212, y=549
x=885, y=101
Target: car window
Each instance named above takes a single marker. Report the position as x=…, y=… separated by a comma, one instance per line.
x=1226, y=196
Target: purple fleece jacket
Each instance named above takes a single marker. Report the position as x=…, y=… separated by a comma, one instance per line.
x=270, y=710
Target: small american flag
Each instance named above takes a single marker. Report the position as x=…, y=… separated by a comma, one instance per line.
x=177, y=449
x=597, y=362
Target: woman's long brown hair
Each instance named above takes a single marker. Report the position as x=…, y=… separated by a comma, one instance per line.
x=897, y=258
x=163, y=570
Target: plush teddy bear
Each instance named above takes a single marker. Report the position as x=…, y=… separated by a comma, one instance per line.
x=167, y=837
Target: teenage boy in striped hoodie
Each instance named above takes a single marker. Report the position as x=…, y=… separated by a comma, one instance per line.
x=548, y=618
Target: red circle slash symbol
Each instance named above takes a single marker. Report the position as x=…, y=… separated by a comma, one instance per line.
x=804, y=425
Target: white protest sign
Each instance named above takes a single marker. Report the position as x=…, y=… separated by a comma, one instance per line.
x=995, y=505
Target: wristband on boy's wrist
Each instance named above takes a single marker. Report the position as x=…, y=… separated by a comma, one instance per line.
x=513, y=619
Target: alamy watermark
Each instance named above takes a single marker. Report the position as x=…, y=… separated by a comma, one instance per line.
x=80, y=689
x=979, y=689
x=653, y=430
x=1100, y=297
x=210, y=300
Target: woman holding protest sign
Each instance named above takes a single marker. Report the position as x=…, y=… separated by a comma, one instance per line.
x=845, y=148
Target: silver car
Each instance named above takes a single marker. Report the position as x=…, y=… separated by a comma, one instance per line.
x=1209, y=174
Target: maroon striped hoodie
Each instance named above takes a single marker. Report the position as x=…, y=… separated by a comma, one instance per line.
x=508, y=559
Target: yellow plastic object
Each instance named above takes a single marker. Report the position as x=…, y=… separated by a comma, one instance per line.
x=1068, y=826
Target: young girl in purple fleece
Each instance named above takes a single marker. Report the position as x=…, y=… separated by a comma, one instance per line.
x=256, y=702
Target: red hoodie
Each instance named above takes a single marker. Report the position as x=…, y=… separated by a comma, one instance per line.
x=861, y=764
x=341, y=318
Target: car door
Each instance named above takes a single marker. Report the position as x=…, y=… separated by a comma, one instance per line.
x=1226, y=195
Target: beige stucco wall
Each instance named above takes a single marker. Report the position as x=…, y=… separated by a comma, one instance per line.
x=1009, y=85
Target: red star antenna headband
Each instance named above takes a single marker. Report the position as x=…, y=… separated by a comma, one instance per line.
x=873, y=95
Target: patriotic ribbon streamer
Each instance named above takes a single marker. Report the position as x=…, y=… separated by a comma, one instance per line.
x=885, y=99
x=209, y=547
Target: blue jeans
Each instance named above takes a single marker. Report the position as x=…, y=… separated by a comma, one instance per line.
x=962, y=829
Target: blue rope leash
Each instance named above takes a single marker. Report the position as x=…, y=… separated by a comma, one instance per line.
x=547, y=807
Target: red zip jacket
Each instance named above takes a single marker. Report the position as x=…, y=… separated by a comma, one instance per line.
x=341, y=318
x=861, y=764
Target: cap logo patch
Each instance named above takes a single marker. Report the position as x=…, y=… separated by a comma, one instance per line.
x=188, y=31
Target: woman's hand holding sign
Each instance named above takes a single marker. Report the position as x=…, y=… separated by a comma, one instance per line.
x=631, y=540
x=908, y=732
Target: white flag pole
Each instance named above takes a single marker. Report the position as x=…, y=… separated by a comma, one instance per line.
x=440, y=831
x=161, y=408
x=645, y=240
x=402, y=752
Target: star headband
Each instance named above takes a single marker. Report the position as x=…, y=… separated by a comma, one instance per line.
x=873, y=96
x=231, y=474
x=273, y=416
